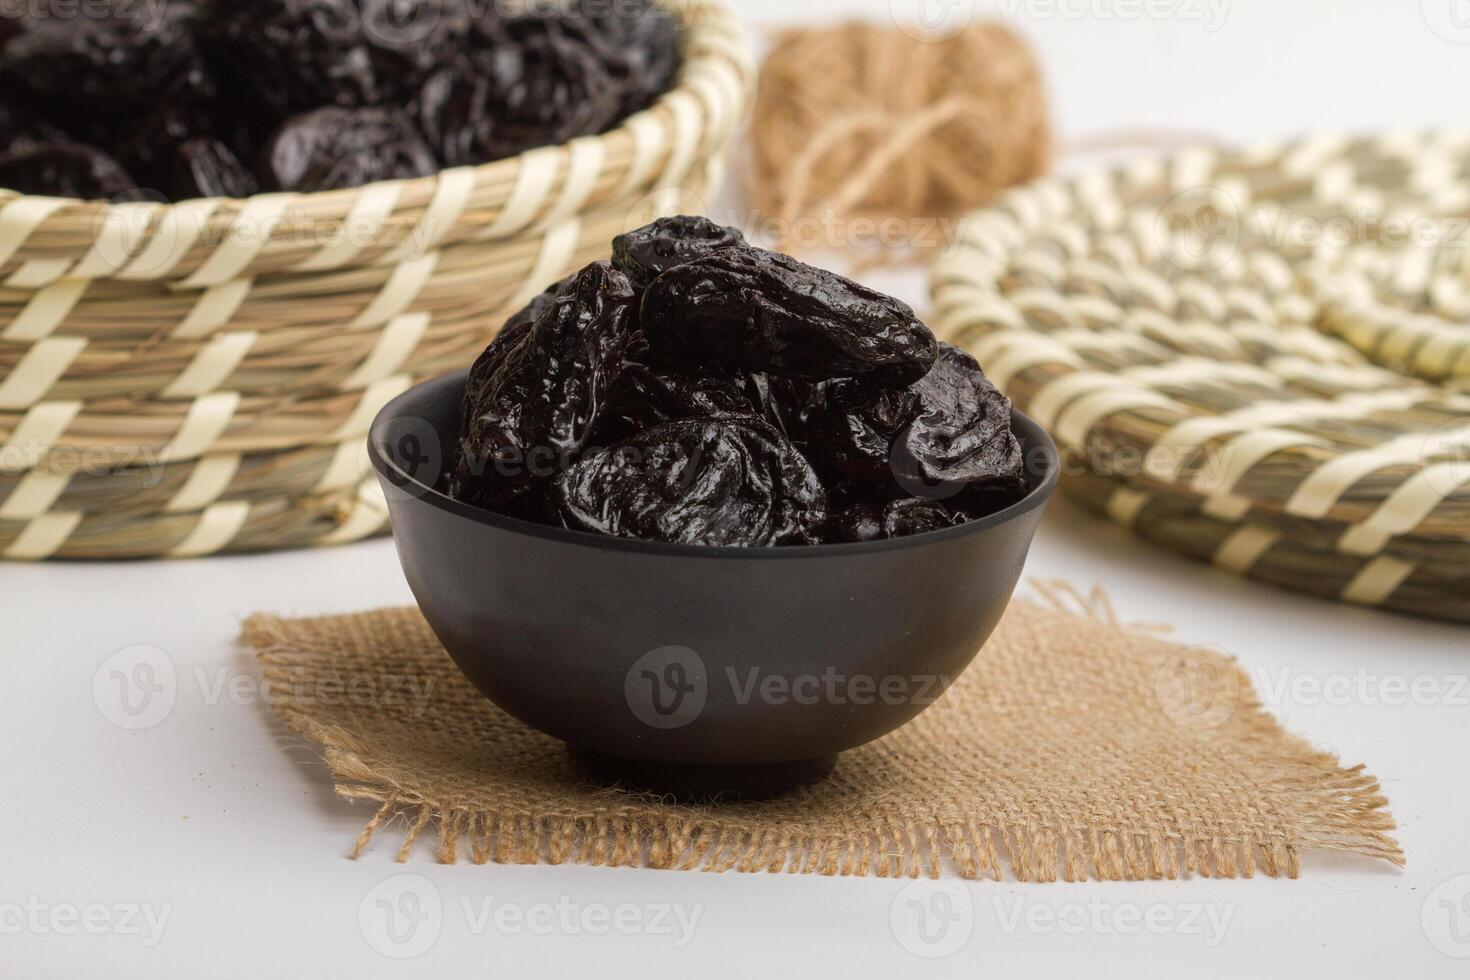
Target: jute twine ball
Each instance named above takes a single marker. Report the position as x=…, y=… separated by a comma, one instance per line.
x=867, y=120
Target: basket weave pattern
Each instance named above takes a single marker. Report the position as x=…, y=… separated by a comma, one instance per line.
x=199, y=378
x=1259, y=358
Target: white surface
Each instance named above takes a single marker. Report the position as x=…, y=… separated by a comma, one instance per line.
x=228, y=826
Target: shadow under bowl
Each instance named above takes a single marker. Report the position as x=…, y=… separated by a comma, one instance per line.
x=694, y=671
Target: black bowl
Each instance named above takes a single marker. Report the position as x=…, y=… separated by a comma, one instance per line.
x=687, y=669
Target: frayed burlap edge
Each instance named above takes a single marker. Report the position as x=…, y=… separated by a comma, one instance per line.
x=920, y=845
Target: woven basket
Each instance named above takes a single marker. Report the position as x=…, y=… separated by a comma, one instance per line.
x=1259, y=358
x=199, y=378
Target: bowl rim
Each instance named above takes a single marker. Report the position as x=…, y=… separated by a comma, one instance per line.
x=1034, y=439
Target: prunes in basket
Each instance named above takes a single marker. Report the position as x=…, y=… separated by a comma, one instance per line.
x=718, y=482
x=64, y=170
x=98, y=66
x=763, y=311
x=545, y=87
x=327, y=150
x=638, y=42
x=841, y=442
x=293, y=55
x=206, y=167
x=537, y=394
x=647, y=253
x=270, y=80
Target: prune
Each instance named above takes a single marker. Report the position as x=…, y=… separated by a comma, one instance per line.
x=652, y=250
x=537, y=394
x=961, y=440
x=20, y=128
x=406, y=39
x=647, y=394
x=638, y=42
x=897, y=519
x=334, y=148
x=851, y=427
x=546, y=87
x=64, y=170
x=452, y=110
x=707, y=447
x=729, y=482
x=206, y=167
x=102, y=65
x=762, y=311
x=948, y=433
x=293, y=55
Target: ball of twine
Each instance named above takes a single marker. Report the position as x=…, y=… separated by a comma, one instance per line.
x=871, y=121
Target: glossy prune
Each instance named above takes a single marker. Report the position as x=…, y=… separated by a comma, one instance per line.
x=708, y=450
x=961, y=440
x=546, y=87
x=763, y=311
x=406, y=39
x=293, y=55
x=325, y=150
x=950, y=432
x=647, y=394
x=638, y=42
x=647, y=253
x=102, y=65
x=206, y=167
x=726, y=482
x=64, y=170
x=538, y=393
x=452, y=111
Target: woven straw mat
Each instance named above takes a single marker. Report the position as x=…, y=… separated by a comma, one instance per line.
x=1259, y=358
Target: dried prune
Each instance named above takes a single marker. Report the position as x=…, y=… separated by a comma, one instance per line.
x=729, y=482
x=64, y=170
x=114, y=64
x=537, y=394
x=206, y=167
x=708, y=448
x=406, y=39
x=638, y=42
x=647, y=253
x=293, y=55
x=334, y=148
x=648, y=393
x=961, y=440
x=947, y=434
x=452, y=110
x=762, y=311
x=547, y=86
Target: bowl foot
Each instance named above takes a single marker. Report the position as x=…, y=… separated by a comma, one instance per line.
x=703, y=784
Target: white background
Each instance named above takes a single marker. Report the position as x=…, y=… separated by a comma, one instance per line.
x=218, y=817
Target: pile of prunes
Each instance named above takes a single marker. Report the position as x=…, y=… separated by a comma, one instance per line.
x=699, y=390
x=227, y=98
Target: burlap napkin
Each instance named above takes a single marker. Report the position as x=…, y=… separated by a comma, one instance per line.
x=1074, y=747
